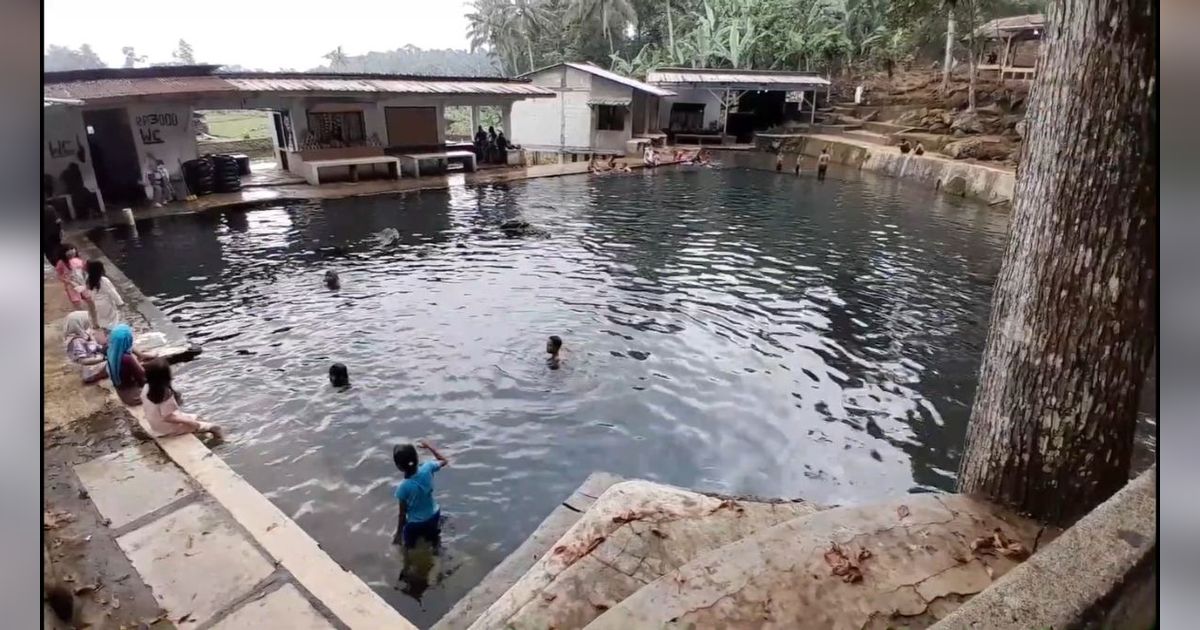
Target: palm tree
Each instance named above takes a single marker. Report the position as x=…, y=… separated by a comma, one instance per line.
x=529, y=18
x=614, y=15
x=490, y=27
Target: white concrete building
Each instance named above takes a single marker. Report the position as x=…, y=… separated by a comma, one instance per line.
x=593, y=111
x=105, y=129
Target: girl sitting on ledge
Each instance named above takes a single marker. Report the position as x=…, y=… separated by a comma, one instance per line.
x=160, y=403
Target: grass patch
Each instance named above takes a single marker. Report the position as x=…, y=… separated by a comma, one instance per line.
x=237, y=124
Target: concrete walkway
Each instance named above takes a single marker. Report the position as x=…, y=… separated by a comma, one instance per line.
x=214, y=552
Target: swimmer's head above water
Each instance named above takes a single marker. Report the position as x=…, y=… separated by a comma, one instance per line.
x=339, y=376
x=553, y=345
x=332, y=280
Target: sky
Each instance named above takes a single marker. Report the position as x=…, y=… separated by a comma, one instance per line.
x=253, y=33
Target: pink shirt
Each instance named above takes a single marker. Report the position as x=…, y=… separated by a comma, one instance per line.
x=72, y=276
x=160, y=415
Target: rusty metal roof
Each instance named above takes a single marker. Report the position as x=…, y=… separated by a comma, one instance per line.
x=1014, y=25
x=120, y=83
x=427, y=85
x=719, y=78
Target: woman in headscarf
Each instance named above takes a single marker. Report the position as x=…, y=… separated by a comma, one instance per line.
x=82, y=349
x=124, y=369
x=160, y=403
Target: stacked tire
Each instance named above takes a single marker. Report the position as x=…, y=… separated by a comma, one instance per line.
x=199, y=176
x=226, y=173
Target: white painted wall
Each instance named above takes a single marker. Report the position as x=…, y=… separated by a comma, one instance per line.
x=712, y=105
x=606, y=140
x=162, y=131
x=64, y=142
x=567, y=122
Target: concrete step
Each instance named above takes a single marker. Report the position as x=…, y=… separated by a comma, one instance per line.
x=912, y=564
x=869, y=136
x=635, y=533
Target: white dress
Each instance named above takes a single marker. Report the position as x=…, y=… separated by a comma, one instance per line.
x=106, y=300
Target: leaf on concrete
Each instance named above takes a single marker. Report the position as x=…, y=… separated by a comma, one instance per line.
x=1015, y=550
x=903, y=512
x=56, y=518
x=982, y=545
x=863, y=554
x=86, y=588
x=658, y=532
x=842, y=566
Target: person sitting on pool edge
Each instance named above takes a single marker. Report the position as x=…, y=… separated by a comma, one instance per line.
x=161, y=402
x=419, y=517
x=339, y=376
x=553, y=348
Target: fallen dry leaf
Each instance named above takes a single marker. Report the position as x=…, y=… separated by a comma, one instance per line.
x=116, y=602
x=549, y=596
x=842, y=566
x=903, y=512
x=1015, y=550
x=56, y=518
x=86, y=588
x=659, y=533
x=983, y=544
x=863, y=554
x=185, y=617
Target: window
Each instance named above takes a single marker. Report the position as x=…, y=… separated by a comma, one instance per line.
x=340, y=128
x=610, y=118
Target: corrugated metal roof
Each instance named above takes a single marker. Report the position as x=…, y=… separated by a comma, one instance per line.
x=615, y=102
x=100, y=89
x=60, y=102
x=735, y=79
x=1012, y=25
x=390, y=86
x=117, y=87
x=624, y=80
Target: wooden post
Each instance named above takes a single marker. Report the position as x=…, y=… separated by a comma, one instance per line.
x=812, y=116
x=474, y=119
x=1004, y=60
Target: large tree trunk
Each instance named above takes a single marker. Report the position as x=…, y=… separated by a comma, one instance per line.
x=1074, y=313
x=949, y=59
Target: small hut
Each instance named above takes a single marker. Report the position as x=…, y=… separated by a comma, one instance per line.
x=1012, y=45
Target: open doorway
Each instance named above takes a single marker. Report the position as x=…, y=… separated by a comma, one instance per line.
x=114, y=156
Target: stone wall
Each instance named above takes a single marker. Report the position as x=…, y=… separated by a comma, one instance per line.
x=255, y=147
x=986, y=183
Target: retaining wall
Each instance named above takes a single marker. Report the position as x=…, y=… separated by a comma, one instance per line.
x=986, y=183
x=255, y=147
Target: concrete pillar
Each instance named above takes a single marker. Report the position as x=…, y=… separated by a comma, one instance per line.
x=474, y=119
x=506, y=121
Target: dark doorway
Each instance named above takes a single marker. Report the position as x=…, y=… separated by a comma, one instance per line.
x=282, y=133
x=766, y=109
x=686, y=117
x=114, y=156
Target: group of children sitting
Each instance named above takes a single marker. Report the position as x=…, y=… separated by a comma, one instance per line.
x=101, y=345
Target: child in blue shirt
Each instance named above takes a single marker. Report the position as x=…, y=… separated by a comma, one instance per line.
x=419, y=513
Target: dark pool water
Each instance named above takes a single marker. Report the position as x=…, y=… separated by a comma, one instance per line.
x=730, y=330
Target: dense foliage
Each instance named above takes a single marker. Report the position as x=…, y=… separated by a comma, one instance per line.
x=635, y=36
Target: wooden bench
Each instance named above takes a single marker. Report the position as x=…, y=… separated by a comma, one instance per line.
x=467, y=158
x=313, y=167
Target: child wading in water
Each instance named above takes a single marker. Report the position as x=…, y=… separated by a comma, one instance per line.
x=419, y=514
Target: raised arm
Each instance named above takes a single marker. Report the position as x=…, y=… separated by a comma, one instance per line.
x=433, y=451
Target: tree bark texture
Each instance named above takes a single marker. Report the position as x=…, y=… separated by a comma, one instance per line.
x=1074, y=314
x=949, y=60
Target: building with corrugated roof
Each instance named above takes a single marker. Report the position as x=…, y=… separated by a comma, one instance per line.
x=106, y=129
x=594, y=111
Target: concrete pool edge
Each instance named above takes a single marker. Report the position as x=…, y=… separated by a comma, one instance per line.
x=332, y=587
x=501, y=578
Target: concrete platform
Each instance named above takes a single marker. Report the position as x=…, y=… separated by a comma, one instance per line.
x=539, y=543
x=284, y=607
x=196, y=562
x=132, y=483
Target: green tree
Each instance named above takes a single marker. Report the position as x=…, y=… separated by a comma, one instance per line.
x=337, y=59
x=184, y=55
x=59, y=58
x=132, y=59
x=613, y=15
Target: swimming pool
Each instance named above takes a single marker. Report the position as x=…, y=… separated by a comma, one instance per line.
x=725, y=329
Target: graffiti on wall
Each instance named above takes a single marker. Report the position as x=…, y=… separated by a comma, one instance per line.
x=150, y=126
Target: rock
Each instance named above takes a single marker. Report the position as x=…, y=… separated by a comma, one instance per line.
x=955, y=186
x=957, y=100
x=967, y=122
x=977, y=148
